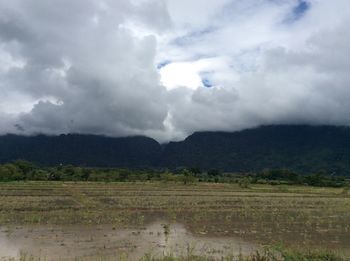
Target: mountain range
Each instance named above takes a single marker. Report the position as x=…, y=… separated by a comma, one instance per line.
x=297, y=147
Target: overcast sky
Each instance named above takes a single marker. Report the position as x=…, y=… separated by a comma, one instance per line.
x=168, y=68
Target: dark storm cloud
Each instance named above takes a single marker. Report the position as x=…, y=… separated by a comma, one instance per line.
x=90, y=66
x=82, y=70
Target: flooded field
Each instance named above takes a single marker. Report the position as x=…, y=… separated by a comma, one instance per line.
x=93, y=220
x=93, y=242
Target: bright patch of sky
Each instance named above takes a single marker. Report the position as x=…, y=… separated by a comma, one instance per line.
x=233, y=32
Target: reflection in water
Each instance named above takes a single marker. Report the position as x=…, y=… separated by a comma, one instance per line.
x=89, y=242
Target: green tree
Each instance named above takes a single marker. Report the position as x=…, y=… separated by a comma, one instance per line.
x=25, y=166
x=187, y=177
x=196, y=171
x=244, y=182
x=38, y=174
x=168, y=177
x=214, y=173
x=10, y=172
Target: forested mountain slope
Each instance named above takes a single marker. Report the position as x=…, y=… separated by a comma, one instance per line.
x=301, y=148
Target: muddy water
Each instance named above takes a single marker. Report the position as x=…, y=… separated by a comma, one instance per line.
x=91, y=242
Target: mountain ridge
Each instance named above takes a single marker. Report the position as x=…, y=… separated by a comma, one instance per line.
x=302, y=148
x=80, y=149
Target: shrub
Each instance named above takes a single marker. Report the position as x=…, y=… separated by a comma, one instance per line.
x=244, y=182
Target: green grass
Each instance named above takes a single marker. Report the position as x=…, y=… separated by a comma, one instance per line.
x=295, y=215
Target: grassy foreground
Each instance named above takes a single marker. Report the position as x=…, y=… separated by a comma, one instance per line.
x=132, y=203
x=269, y=254
x=301, y=217
x=258, y=256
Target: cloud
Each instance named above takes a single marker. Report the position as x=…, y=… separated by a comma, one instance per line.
x=99, y=77
x=274, y=73
x=168, y=68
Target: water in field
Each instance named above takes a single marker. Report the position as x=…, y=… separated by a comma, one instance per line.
x=92, y=242
x=209, y=219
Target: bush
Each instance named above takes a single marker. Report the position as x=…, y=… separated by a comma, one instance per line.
x=346, y=191
x=38, y=174
x=10, y=172
x=187, y=177
x=244, y=182
x=168, y=177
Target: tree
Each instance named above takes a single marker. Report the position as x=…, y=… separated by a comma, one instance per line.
x=244, y=182
x=55, y=174
x=25, y=166
x=187, y=177
x=168, y=177
x=9, y=172
x=38, y=174
x=196, y=171
x=124, y=174
x=214, y=173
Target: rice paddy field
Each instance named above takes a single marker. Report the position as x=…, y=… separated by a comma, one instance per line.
x=102, y=221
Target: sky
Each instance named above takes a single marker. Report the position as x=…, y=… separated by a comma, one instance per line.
x=168, y=68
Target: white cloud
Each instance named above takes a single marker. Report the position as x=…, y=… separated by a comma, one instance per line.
x=180, y=74
x=91, y=66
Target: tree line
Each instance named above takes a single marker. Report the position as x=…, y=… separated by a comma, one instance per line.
x=21, y=170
